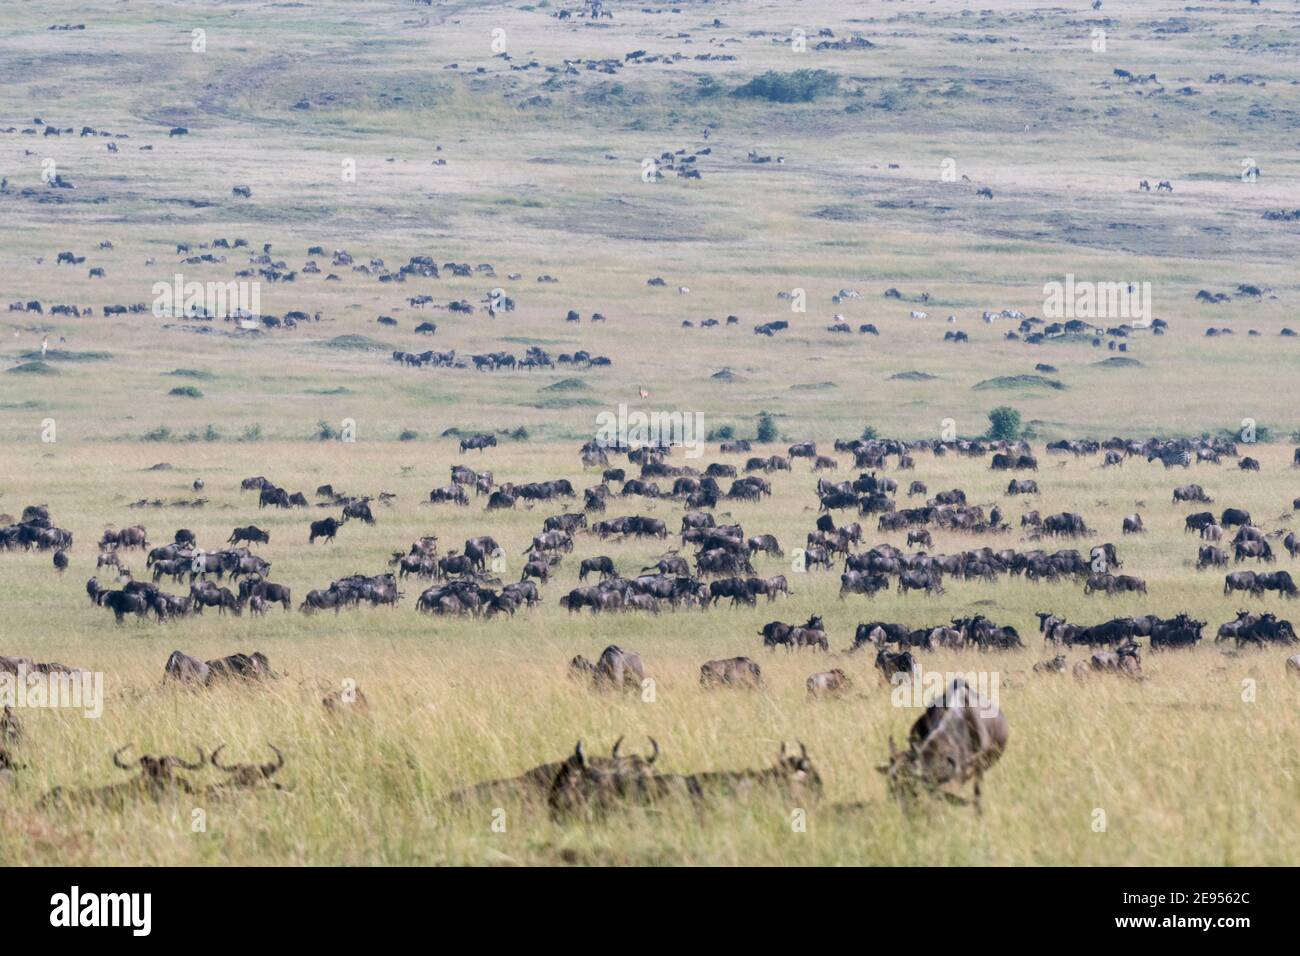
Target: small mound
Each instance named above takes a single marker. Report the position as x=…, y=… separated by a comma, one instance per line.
x=63, y=355
x=185, y=391
x=1018, y=381
x=356, y=343
x=190, y=373
x=812, y=386
x=1118, y=361
x=913, y=376
x=723, y=375
x=35, y=368
x=560, y=401
x=567, y=385
x=161, y=466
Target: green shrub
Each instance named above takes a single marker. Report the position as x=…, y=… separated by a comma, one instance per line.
x=1004, y=424
x=801, y=86
x=408, y=435
x=185, y=391
x=766, y=428
x=721, y=433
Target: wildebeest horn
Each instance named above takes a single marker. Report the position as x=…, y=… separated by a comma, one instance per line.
x=216, y=763
x=655, y=755
x=580, y=754
x=803, y=751
x=782, y=754
x=618, y=743
x=270, y=768
x=893, y=751
x=191, y=766
x=117, y=758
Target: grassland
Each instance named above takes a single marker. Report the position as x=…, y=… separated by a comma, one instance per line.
x=543, y=176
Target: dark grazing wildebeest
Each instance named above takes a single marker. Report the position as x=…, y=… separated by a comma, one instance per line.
x=1279, y=581
x=1191, y=493
x=479, y=441
x=359, y=510
x=957, y=739
x=1208, y=556
x=1233, y=517
x=124, y=602
x=731, y=672
x=601, y=564
x=213, y=596
x=862, y=582
x=326, y=528
x=890, y=663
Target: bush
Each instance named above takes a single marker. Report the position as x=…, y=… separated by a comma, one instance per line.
x=721, y=433
x=211, y=433
x=869, y=433
x=161, y=433
x=408, y=435
x=766, y=428
x=1004, y=424
x=708, y=87
x=518, y=434
x=186, y=391
x=251, y=433
x=801, y=86
x=325, y=431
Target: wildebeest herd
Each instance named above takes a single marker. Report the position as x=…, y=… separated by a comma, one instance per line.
x=958, y=738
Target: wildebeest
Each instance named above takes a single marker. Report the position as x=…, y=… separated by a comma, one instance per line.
x=1233, y=517
x=615, y=668
x=251, y=533
x=1054, y=666
x=601, y=564
x=246, y=776
x=1209, y=556
x=957, y=739
x=583, y=786
x=810, y=634
x=890, y=663
x=1191, y=493
x=155, y=779
x=731, y=672
x=832, y=683
x=325, y=528
x=533, y=786
x=479, y=441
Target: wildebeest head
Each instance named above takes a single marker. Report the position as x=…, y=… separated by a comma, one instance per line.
x=156, y=769
x=249, y=774
x=584, y=785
